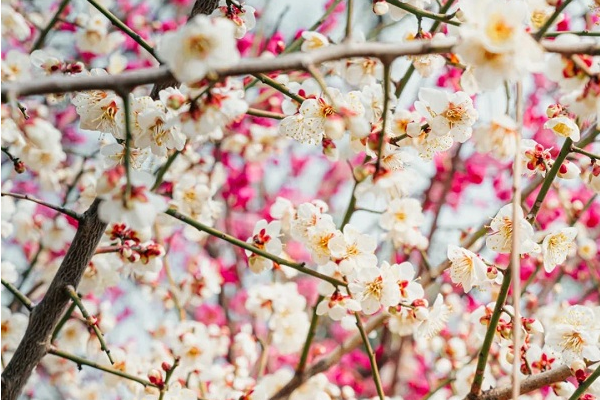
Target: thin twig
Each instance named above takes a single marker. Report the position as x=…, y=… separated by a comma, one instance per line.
x=516, y=240
x=239, y=243
x=542, y=31
x=124, y=28
x=54, y=207
x=18, y=295
x=91, y=321
x=40, y=40
x=371, y=355
x=82, y=361
x=418, y=12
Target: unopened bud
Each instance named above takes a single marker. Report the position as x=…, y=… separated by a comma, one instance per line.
x=155, y=376
x=165, y=366
x=19, y=166
x=421, y=313
x=380, y=7
x=334, y=127
x=492, y=272
x=577, y=365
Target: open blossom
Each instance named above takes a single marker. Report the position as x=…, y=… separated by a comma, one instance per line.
x=353, y=250
x=156, y=130
x=499, y=138
x=13, y=23
x=556, y=247
x=100, y=111
x=575, y=335
x=243, y=17
x=313, y=41
x=93, y=35
x=265, y=237
x=139, y=209
x=198, y=47
x=494, y=42
x=374, y=287
x=402, y=214
x=564, y=126
x=447, y=113
x=466, y=268
x=13, y=328
x=500, y=239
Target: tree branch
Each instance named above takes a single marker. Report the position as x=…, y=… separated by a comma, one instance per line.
x=259, y=65
x=529, y=384
x=60, y=209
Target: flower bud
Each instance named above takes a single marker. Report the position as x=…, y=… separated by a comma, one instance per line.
x=492, y=272
x=554, y=110
x=334, y=127
x=380, y=7
x=19, y=166
x=421, y=313
x=155, y=376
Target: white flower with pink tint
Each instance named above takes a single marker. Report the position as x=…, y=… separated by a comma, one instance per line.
x=466, y=268
x=138, y=209
x=198, y=47
x=557, y=246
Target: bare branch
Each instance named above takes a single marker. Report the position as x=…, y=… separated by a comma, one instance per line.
x=259, y=65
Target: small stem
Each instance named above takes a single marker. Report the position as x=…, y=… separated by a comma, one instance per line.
x=82, y=361
x=265, y=114
x=548, y=180
x=128, y=139
x=18, y=295
x=593, y=156
x=91, y=321
x=309, y=338
x=440, y=386
x=578, y=33
x=124, y=28
x=279, y=87
x=419, y=12
x=239, y=243
x=168, y=376
x=63, y=321
x=371, y=355
x=167, y=267
x=160, y=174
x=540, y=34
x=59, y=209
x=489, y=335
x=515, y=250
x=351, y=207
x=583, y=386
x=386, y=104
x=40, y=40
x=349, y=12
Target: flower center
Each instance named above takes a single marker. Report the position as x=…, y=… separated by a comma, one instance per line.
x=199, y=46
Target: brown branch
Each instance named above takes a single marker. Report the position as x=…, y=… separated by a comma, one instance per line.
x=257, y=65
x=529, y=384
x=46, y=315
x=331, y=359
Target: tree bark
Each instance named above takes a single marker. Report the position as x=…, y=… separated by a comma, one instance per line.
x=46, y=315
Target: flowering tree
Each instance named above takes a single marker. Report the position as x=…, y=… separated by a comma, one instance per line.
x=397, y=201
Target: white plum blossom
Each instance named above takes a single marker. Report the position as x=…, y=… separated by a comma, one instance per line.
x=198, y=47
x=556, y=246
x=100, y=111
x=402, y=214
x=375, y=287
x=500, y=239
x=93, y=35
x=498, y=137
x=564, y=126
x=353, y=250
x=435, y=319
x=494, y=42
x=447, y=113
x=15, y=66
x=575, y=335
x=157, y=131
x=139, y=209
x=265, y=237
x=243, y=17
x=466, y=268
x=13, y=23
x=13, y=328
x=57, y=233
x=313, y=40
